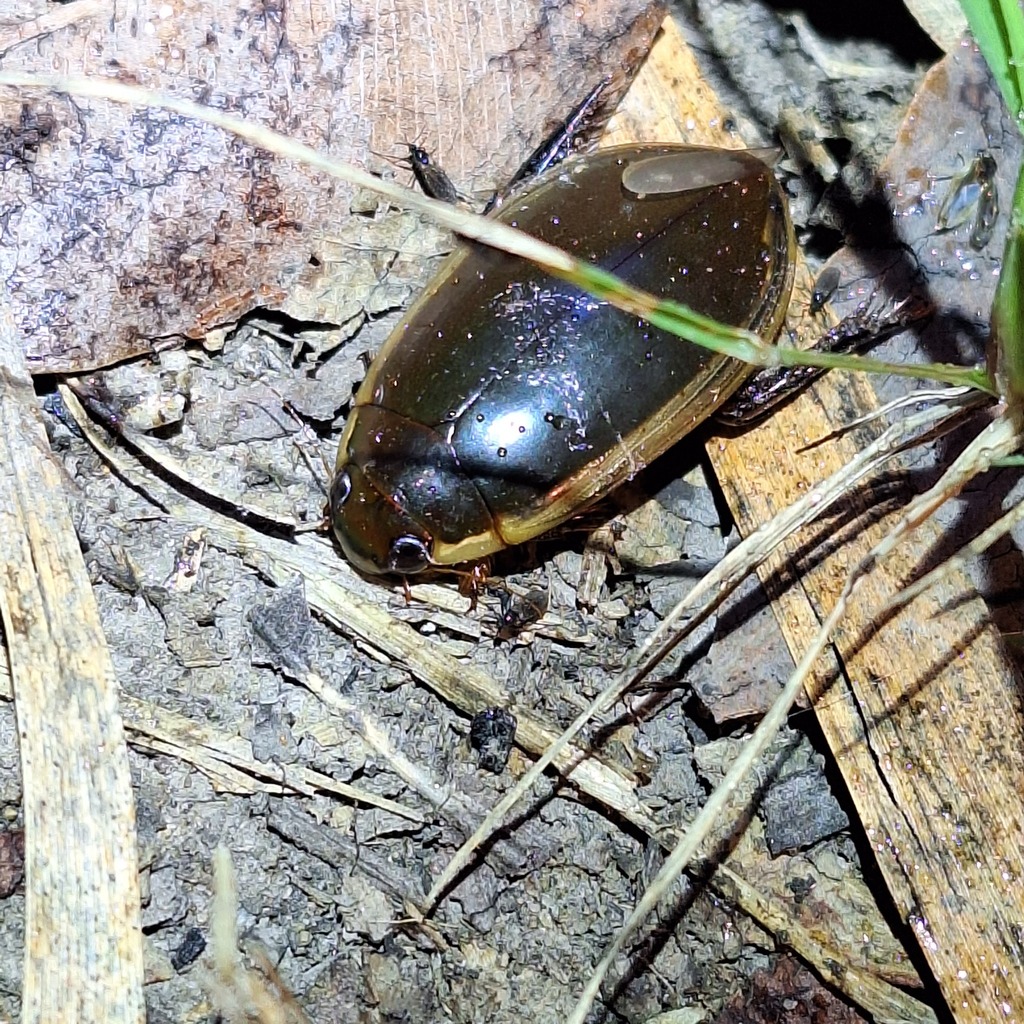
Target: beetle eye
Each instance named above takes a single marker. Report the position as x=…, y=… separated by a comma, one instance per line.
x=409, y=555
x=341, y=488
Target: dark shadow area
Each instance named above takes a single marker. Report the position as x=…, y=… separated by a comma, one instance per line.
x=868, y=865
x=878, y=20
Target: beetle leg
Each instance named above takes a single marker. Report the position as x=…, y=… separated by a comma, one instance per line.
x=558, y=145
x=434, y=183
x=473, y=581
x=769, y=388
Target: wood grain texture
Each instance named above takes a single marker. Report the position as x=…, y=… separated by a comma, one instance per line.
x=125, y=230
x=83, y=960
x=922, y=710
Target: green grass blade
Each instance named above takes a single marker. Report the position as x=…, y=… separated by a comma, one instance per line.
x=747, y=346
x=1007, y=308
x=998, y=28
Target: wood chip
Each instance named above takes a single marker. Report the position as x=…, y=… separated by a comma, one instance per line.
x=83, y=934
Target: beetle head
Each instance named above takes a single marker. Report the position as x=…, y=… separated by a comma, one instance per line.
x=400, y=501
x=373, y=529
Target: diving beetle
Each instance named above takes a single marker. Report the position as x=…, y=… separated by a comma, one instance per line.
x=507, y=401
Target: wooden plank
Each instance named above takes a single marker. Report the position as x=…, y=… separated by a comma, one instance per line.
x=83, y=938
x=923, y=716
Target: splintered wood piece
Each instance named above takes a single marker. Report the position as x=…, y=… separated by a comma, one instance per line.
x=928, y=732
x=83, y=938
x=167, y=228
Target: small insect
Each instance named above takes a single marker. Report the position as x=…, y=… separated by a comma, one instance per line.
x=972, y=197
x=491, y=734
x=190, y=949
x=431, y=179
x=518, y=613
x=825, y=285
